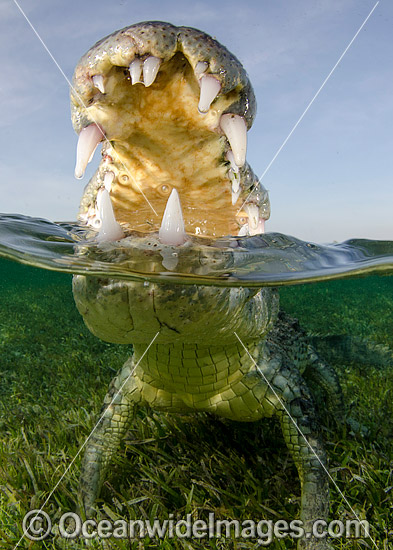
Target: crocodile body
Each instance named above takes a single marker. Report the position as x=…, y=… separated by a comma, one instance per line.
x=226, y=351
x=180, y=373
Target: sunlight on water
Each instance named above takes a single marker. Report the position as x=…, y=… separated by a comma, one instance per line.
x=270, y=259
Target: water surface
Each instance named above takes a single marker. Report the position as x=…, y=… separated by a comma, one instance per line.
x=54, y=374
x=269, y=259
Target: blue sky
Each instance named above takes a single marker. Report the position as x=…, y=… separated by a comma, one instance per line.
x=332, y=180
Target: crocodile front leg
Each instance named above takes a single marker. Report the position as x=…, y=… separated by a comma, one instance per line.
x=304, y=442
x=115, y=417
x=280, y=391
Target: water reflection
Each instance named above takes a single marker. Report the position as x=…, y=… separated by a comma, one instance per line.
x=270, y=259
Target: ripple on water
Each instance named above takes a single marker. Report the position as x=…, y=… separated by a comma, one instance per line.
x=269, y=259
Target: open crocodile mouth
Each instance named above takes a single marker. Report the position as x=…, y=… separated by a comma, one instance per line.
x=172, y=108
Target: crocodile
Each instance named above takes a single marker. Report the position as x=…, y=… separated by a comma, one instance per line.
x=172, y=107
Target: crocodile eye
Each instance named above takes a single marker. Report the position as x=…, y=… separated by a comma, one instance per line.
x=124, y=178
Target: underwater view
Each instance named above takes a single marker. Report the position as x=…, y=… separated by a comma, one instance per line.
x=55, y=374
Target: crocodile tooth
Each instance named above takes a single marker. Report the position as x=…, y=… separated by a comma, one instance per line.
x=200, y=68
x=98, y=81
x=89, y=138
x=256, y=224
x=110, y=229
x=136, y=71
x=235, y=129
x=235, y=195
x=108, y=180
x=172, y=230
x=235, y=179
x=150, y=70
x=246, y=229
x=243, y=231
x=210, y=88
x=231, y=159
x=261, y=227
x=252, y=212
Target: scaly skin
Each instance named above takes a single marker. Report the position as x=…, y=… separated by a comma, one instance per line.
x=186, y=370
x=197, y=361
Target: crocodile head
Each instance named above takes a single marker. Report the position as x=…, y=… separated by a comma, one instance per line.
x=171, y=107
